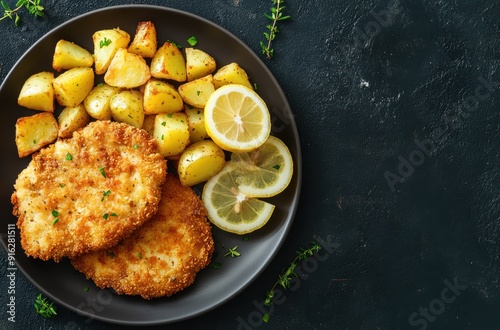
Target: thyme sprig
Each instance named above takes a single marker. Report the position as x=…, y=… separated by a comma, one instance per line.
x=44, y=308
x=275, y=15
x=286, y=276
x=33, y=6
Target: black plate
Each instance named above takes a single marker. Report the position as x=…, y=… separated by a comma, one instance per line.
x=60, y=281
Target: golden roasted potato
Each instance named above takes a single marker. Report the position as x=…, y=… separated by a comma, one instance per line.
x=37, y=92
x=171, y=131
x=161, y=97
x=71, y=119
x=196, y=123
x=231, y=73
x=73, y=86
x=35, y=132
x=126, y=107
x=106, y=43
x=199, y=162
x=144, y=42
x=197, y=92
x=97, y=102
x=149, y=124
x=198, y=64
x=168, y=63
x=127, y=70
x=69, y=55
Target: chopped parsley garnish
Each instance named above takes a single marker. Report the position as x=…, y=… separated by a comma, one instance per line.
x=69, y=156
x=104, y=42
x=192, y=41
x=55, y=214
x=103, y=172
x=105, y=194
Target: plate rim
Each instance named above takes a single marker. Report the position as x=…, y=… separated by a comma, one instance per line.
x=294, y=202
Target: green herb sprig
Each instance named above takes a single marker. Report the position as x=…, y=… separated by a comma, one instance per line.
x=276, y=15
x=33, y=7
x=289, y=273
x=232, y=252
x=44, y=308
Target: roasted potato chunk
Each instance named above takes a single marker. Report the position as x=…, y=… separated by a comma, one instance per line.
x=35, y=132
x=37, y=92
x=199, y=162
x=73, y=86
x=231, y=73
x=106, y=44
x=126, y=107
x=161, y=97
x=149, y=124
x=197, y=92
x=144, y=42
x=69, y=55
x=171, y=131
x=198, y=64
x=168, y=63
x=127, y=70
x=71, y=119
x=196, y=123
x=97, y=102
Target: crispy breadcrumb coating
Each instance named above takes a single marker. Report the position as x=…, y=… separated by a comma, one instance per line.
x=88, y=192
x=163, y=256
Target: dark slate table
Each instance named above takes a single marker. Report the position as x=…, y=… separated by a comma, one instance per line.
x=397, y=105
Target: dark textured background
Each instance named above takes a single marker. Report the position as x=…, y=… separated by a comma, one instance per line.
x=365, y=80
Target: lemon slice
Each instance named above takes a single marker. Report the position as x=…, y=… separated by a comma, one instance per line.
x=237, y=119
x=265, y=171
x=229, y=209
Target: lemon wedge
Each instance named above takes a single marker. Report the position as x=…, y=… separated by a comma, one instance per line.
x=265, y=171
x=237, y=119
x=231, y=210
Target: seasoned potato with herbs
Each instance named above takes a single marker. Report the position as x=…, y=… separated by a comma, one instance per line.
x=73, y=86
x=71, y=119
x=149, y=124
x=196, y=123
x=106, y=44
x=161, y=97
x=144, y=42
x=35, y=132
x=97, y=102
x=171, y=131
x=37, y=92
x=197, y=92
x=198, y=64
x=126, y=107
x=127, y=70
x=231, y=73
x=199, y=162
x=169, y=63
x=69, y=55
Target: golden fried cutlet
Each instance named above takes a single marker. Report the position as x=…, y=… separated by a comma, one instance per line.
x=88, y=192
x=163, y=256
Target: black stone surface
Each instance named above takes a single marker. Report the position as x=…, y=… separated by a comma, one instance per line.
x=396, y=104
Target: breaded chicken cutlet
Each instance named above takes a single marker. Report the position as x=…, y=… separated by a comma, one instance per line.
x=163, y=256
x=88, y=192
